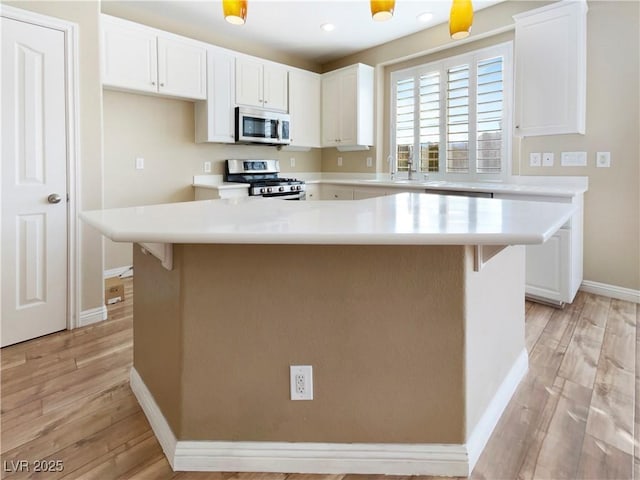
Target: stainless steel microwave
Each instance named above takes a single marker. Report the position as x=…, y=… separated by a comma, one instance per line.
x=262, y=126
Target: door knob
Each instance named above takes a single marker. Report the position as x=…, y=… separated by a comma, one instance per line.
x=54, y=198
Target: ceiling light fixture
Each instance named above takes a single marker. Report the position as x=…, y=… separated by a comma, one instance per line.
x=424, y=17
x=460, y=19
x=235, y=11
x=328, y=27
x=382, y=10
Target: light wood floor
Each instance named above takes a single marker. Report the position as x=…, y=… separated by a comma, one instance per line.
x=66, y=397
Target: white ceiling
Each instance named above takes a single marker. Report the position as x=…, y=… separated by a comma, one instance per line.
x=293, y=26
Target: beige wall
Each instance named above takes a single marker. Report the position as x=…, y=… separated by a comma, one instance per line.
x=85, y=15
x=612, y=205
x=162, y=131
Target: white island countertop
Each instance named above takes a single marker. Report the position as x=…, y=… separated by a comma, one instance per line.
x=405, y=218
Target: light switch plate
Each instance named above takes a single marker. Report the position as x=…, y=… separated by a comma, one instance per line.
x=369, y=162
x=573, y=159
x=535, y=159
x=139, y=163
x=603, y=159
x=547, y=159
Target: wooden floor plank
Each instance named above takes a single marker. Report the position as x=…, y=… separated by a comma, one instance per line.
x=537, y=318
x=561, y=448
x=611, y=416
x=581, y=358
x=601, y=461
x=580, y=361
x=118, y=397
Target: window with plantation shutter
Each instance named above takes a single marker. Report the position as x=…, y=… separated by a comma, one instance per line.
x=450, y=118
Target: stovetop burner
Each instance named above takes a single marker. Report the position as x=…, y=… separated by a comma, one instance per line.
x=263, y=177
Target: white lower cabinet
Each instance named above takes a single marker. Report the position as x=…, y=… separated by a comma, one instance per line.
x=554, y=269
x=371, y=192
x=335, y=192
x=548, y=268
x=312, y=191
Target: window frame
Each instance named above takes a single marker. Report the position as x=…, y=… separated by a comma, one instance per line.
x=472, y=58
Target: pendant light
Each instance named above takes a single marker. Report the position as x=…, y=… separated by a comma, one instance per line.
x=382, y=10
x=460, y=19
x=235, y=11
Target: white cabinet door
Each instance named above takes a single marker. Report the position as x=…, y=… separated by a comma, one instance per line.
x=275, y=87
x=361, y=193
x=347, y=107
x=140, y=58
x=129, y=56
x=249, y=82
x=334, y=192
x=312, y=192
x=548, y=268
x=330, y=110
x=215, y=116
x=304, y=108
x=182, y=68
x=260, y=84
x=550, y=57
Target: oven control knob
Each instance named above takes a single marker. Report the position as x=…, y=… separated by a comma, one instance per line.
x=269, y=190
x=262, y=190
x=281, y=189
x=298, y=187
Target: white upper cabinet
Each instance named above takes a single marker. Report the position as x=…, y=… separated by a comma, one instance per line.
x=215, y=116
x=550, y=58
x=304, y=108
x=261, y=84
x=347, y=107
x=140, y=58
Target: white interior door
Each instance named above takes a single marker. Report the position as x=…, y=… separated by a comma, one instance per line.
x=34, y=177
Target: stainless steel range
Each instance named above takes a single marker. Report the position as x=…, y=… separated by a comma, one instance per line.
x=263, y=176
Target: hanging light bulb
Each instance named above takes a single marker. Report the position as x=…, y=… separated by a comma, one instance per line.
x=235, y=11
x=382, y=10
x=460, y=19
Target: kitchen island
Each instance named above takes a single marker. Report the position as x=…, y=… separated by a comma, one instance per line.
x=409, y=308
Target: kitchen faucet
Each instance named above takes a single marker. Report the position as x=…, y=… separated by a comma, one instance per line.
x=410, y=165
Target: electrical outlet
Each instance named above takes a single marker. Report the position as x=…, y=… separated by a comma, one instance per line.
x=369, y=162
x=292, y=161
x=301, y=382
x=139, y=163
x=207, y=167
x=339, y=161
x=603, y=159
x=535, y=159
x=547, y=159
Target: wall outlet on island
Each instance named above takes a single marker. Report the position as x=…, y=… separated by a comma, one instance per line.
x=301, y=382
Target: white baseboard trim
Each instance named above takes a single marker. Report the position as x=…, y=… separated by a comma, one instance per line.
x=484, y=428
x=159, y=424
x=328, y=458
x=93, y=315
x=611, y=291
x=122, y=272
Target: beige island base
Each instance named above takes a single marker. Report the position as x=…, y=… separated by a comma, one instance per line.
x=415, y=354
